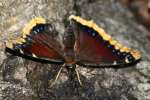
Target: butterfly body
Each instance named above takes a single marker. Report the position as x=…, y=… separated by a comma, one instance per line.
x=83, y=43
x=68, y=42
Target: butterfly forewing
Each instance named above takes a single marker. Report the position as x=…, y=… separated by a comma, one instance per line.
x=90, y=48
x=41, y=43
x=94, y=47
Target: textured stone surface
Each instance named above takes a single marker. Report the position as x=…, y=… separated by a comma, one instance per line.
x=23, y=79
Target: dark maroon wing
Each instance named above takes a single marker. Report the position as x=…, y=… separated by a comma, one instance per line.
x=41, y=43
x=92, y=49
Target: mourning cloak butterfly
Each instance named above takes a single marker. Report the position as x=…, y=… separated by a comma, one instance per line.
x=84, y=43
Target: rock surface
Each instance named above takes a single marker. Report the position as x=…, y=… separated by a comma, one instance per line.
x=22, y=79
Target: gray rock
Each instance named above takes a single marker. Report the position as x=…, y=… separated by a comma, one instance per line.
x=22, y=79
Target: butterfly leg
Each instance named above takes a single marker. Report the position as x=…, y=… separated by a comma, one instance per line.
x=57, y=75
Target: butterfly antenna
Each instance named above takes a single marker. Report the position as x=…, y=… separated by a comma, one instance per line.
x=78, y=76
x=57, y=76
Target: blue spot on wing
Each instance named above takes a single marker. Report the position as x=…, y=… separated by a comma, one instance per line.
x=39, y=28
x=94, y=34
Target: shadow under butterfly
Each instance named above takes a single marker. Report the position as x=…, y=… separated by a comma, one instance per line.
x=84, y=44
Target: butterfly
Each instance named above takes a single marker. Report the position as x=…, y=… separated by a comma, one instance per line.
x=84, y=43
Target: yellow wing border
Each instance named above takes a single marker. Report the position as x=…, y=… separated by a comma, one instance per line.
x=25, y=31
